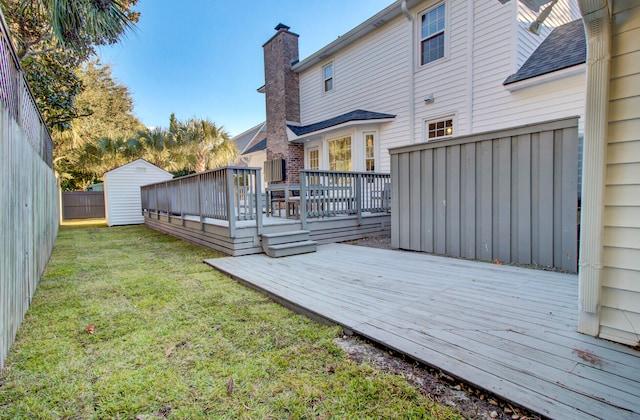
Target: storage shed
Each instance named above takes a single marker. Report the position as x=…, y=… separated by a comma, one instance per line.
x=122, y=191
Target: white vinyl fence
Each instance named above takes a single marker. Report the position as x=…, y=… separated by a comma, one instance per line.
x=28, y=195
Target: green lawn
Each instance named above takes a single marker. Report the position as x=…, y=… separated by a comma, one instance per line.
x=174, y=338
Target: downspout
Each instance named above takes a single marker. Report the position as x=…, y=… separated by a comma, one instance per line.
x=412, y=95
x=597, y=23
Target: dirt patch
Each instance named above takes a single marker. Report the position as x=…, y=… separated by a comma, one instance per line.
x=472, y=403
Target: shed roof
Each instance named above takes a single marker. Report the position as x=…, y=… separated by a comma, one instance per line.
x=136, y=163
x=564, y=47
x=357, y=115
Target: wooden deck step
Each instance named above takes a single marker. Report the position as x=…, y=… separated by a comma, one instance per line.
x=291, y=248
x=284, y=237
x=283, y=244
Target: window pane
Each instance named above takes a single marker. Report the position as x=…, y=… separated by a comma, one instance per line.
x=432, y=38
x=314, y=159
x=340, y=154
x=433, y=48
x=433, y=21
x=439, y=129
x=328, y=85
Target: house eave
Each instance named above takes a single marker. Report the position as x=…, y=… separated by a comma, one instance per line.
x=293, y=138
x=546, y=78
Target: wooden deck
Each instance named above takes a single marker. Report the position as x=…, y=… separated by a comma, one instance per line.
x=509, y=330
x=246, y=238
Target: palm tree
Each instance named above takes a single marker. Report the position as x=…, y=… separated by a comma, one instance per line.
x=74, y=22
x=159, y=148
x=204, y=145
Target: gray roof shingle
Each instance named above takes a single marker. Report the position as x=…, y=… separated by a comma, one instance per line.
x=261, y=145
x=564, y=47
x=357, y=115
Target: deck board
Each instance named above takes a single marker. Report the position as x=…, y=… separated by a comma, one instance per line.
x=506, y=329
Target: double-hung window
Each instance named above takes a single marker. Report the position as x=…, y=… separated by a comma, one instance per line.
x=327, y=77
x=314, y=159
x=432, y=35
x=370, y=152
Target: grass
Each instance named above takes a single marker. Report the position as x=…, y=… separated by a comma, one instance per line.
x=174, y=338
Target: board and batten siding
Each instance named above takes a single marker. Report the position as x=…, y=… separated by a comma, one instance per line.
x=506, y=195
x=620, y=293
x=122, y=191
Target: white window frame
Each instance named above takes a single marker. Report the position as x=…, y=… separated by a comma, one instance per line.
x=444, y=33
x=443, y=119
x=309, y=151
x=331, y=78
x=351, y=150
x=375, y=149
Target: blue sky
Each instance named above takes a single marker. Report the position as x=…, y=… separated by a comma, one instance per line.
x=203, y=58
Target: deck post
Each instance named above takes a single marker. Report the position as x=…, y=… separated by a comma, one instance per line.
x=359, y=178
x=180, y=197
x=157, y=207
x=230, y=197
x=200, y=203
x=257, y=178
x=166, y=195
x=303, y=199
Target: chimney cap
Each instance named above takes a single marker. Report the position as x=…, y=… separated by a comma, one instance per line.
x=282, y=26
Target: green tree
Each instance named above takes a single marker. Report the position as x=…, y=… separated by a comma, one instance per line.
x=98, y=140
x=53, y=37
x=203, y=145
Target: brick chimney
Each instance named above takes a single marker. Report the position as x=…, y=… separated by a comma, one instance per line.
x=282, y=91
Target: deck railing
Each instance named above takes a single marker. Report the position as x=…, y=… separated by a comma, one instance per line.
x=230, y=194
x=331, y=193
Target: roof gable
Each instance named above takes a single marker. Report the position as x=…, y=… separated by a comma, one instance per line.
x=137, y=163
x=564, y=47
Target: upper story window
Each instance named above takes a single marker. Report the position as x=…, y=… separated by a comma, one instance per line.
x=327, y=77
x=432, y=35
x=439, y=129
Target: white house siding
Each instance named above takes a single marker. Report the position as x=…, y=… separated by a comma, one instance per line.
x=620, y=295
x=122, y=191
x=495, y=107
x=371, y=74
x=445, y=79
x=482, y=40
